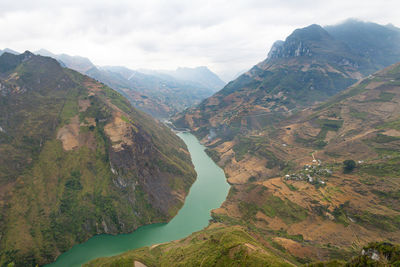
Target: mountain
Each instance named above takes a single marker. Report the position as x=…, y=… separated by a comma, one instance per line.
x=310, y=66
x=80, y=64
x=201, y=75
x=158, y=94
x=77, y=160
x=8, y=50
x=377, y=43
x=321, y=185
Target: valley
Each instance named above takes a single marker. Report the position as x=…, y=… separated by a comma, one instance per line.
x=296, y=162
x=208, y=192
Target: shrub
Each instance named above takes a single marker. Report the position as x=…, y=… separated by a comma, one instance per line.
x=348, y=165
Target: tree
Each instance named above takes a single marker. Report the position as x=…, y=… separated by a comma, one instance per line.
x=348, y=165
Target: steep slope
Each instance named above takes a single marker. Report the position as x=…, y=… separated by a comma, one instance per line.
x=298, y=193
x=309, y=66
x=77, y=160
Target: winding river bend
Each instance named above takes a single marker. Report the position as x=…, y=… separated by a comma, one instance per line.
x=208, y=192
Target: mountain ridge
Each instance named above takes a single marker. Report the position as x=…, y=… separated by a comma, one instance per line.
x=159, y=93
x=308, y=67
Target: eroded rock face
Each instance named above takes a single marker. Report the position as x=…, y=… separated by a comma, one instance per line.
x=119, y=132
x=130, y=155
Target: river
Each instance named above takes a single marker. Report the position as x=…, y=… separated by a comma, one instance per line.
x=208, y=192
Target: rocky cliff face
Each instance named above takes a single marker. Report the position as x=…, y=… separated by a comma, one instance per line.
x=77, y=160
x=311, y=65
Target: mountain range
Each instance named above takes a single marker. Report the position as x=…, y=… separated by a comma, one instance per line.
x=312, y=64
x=159, y=93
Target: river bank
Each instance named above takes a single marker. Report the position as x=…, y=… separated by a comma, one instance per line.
x=208, y=192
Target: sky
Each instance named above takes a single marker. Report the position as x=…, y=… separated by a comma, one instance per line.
x=227, y=36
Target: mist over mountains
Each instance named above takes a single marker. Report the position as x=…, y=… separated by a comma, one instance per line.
x=159, y=93
x=311, y=65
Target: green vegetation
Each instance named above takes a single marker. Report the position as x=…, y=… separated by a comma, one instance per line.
x=389, y=255
x=291, y=187
x=348, y=165
x=213, y=154
x=386, y=96
x=382, y=169
x=243, y=146
x=288, y=211
x=358, y=114
x=374, y=254
x=352, y=91
x=340, y=213
x=326, y=125
x=285, y=234
x=226, y=246
x=395, y=124
x=259, y=147
x=388, y=223
x=382, y=139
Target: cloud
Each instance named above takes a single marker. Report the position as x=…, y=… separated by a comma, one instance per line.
x=226, y=35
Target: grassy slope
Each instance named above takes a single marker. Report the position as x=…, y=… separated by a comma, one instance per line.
x=53, y=198
x=219, y=246
x=355, y=124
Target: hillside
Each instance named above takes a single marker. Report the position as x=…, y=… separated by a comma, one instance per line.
x=311, y=65
x=293, y=196
x=77, y=160
x=219, y=246
x=291, y=177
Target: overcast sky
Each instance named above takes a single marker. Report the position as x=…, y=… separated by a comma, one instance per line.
x=228, y=36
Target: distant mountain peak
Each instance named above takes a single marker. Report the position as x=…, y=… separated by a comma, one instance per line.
x=310, y=42
x=78, y=63
x=302, y=42
x=298, y=43
x=8, y=50
x=44, y=52
x=314, y=32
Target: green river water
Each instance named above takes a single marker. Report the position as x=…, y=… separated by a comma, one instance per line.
x=207, y=193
